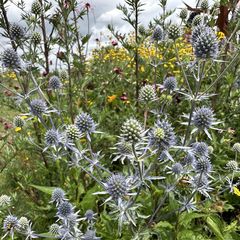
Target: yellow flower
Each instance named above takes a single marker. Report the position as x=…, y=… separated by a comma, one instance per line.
x=220, y=35
x=111, y=98
x=236, y=191
x=23, y=117
x=17, y=129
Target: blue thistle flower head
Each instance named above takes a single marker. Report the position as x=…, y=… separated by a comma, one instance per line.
x=157, y=34
x=85, y=123
x=89, y=215
x=203, y=117
x=202, y=165
x=65, y=209
x=170, y=83
x=58, y=196
x=200, y=149
x=206, y=45
x=177, y=168
x=52, y=137
x=162, y=135
x=38, y=107
x=54, y=83
x=90, y=235
x=189, y=158
x=10, y=59
x=10, y=223
x=17, y=32
x=117, y=186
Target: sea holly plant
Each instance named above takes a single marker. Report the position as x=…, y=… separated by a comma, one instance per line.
x=128, y=173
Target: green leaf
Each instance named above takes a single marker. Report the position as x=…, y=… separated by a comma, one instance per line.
x=186, y=218
x=215, y=227
x=44, y=189
x=89, y=200
x=85, y=39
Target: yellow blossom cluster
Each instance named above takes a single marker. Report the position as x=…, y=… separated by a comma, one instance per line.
x=9, y=75
x=149, y=53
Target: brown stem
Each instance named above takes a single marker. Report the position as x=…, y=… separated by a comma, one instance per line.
x=7, y=24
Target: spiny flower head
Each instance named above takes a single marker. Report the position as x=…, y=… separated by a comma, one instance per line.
x=90, y=235
x=147, y=94
x=204, y=4
x=63, y=75
x=38, y=107
x=162, y=135
x=5, y=200
x=132, y=131
x=197, y=20
x=54, y=229
x=36, y=7
x=202, y=165
x=174, y=32
x=200, y=181
x=89, y=215
x=236, y=147
x=232, y=165
x=206, y=45
x=85, y=123
x=54, y=83
x=197, y=31
x=65, y=209
x=10, y=59
x=17, y=32
x=200, y=149
x=170, y=83
x=23, y=224
x=203, y=117
x=177, y=168
x=116, y=186
x=157, y=34
x=58, y=196
x=72, y=132
x=10, y=223
x=183, y=14
x=18, y=122
x=189, y=158
x=52, y=137
x=36, y=38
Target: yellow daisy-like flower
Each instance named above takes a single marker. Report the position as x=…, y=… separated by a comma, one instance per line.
x=236, y=191
x=111, y=98
x=17, y=129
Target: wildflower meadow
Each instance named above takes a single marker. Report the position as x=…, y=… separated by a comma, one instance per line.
x=137, y=138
